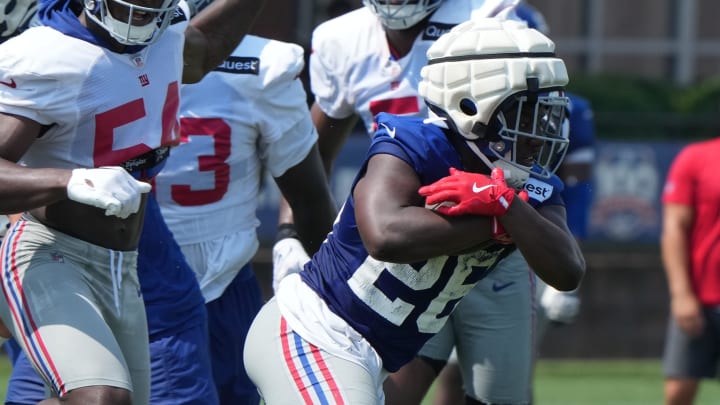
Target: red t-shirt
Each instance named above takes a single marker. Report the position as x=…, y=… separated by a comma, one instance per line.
x=694, y=180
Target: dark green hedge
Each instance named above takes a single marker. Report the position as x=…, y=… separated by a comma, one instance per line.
x=638, y=108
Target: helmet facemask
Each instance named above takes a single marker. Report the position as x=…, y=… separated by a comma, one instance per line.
x=402, y=14
x=532, y=133
x=121, y=28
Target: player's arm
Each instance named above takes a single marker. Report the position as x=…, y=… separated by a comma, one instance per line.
x=546, y=243
x=306, y=189
x=541, y=234
x=23, y=188
x=214, y=33
x=332, y=134
x=394, y=224
x=674, y=244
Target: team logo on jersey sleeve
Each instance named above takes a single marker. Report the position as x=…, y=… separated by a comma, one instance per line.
x=240, y=65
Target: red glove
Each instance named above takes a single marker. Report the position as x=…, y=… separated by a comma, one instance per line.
x=472, y=193
x=498, y=231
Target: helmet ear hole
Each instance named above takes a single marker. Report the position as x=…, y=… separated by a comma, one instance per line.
x=468, y=107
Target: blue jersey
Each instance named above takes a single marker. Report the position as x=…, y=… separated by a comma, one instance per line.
x=398, y=307
x=578, y=194
x=582, y=124
x=170, y=290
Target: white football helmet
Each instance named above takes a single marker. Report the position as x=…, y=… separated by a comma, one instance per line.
x=14, y=16
x=121, y=27
x=483, y=76
x=402, y=14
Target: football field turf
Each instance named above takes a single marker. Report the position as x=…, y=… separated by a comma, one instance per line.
x=577, y=382
x=606, y=382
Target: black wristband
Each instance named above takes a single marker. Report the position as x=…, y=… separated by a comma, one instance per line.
x=285, y=231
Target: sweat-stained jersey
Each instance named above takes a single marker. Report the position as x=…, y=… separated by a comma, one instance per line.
x=353, y=70
x=397, y=307
x=209, y=187
x=65, y=85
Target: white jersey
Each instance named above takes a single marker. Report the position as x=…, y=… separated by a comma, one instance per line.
x=248, y=115
x=352, y=69
x=63, y=82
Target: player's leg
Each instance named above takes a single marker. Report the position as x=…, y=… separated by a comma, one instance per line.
x=687, y=360
x=230, y=316
x=61, y=303
x=289, y=370
x=449, y=389
x=410, y=384
x=180, y=368
x=494, y=335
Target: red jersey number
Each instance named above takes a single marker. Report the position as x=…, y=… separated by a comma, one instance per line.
x=220, y=131
x=106, y=122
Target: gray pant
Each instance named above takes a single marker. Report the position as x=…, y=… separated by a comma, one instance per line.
x=75, y=309
x=289, y=370
x=491, y=328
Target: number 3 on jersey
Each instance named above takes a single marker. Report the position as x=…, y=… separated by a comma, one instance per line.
x=220, y=131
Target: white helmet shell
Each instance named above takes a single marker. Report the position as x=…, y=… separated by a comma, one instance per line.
x=14, y=16
x=400, y=15
x=487, y=60
x=484, y=65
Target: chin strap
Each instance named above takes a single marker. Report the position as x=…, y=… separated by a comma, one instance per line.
x=514, y=177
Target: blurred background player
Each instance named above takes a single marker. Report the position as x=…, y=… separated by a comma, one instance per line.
x=576, y=172
x=97, y=371
x=691, y=258
x=391, y=271
x=176, y=317
x=177, y=321
x=368, y=61
x=552, y=306
x=248, y=115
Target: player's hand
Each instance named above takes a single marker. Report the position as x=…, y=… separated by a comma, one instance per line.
x=688, y=314
x=498, y=231
x=289, y=257
x=110, y=188
x=560, y=306
x=472, y=193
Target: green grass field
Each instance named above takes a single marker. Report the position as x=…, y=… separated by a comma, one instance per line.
x=577, y=382
x=606, y=382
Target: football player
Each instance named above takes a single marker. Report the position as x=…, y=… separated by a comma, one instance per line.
x=551, y=305
x=87, y=99
x=368, y=61
x=248, y=115
x=391, y=271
